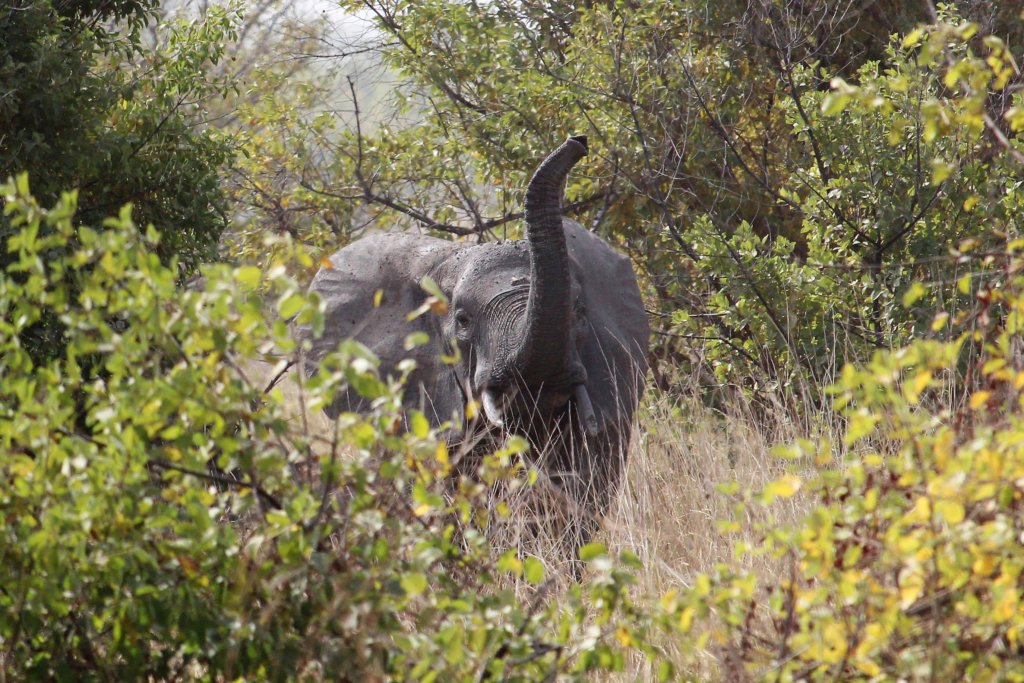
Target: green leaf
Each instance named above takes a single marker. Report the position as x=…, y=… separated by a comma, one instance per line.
x=861, y=424
x=249, y=276
x=418, y=424
x=913, y=293
x=592, y=551
x=509, y=562
x=290, y=305
x=834, y=103
x=416, y=339
x=941, y=170
x=533, y=570
x=432, y=288
x=414, y=583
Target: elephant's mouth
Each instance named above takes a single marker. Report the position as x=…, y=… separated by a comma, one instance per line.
x=496, y=403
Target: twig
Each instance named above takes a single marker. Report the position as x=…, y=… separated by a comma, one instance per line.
x=268, y=498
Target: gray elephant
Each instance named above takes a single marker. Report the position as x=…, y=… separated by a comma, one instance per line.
x=551, y=334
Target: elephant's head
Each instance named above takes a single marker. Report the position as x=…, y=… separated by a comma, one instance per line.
x=516, y=314
x=538, y=323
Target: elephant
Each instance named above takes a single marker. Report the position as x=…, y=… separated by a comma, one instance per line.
x=549, y=333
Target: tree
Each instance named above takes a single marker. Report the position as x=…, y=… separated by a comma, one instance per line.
x=84, y=107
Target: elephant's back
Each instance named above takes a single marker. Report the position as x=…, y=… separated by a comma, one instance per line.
x=389, y=258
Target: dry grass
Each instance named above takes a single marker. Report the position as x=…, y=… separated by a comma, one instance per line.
x=669, y=506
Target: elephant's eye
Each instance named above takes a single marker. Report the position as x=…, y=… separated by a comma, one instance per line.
x=461, y=319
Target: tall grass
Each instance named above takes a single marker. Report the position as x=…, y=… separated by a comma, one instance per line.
x=670, y=505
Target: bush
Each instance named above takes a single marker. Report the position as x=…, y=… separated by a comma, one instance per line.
x=166, y=519
x=909, y=565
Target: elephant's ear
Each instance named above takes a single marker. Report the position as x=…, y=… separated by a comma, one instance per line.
x=394, y=265
x=614, y=349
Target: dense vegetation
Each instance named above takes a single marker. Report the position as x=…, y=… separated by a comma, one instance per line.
x=822, y=200
x=84, y=107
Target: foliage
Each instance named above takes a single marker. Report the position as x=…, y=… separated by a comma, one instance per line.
x=798, y=189
x=83, y=106
x=170, y=520
x=909, y=566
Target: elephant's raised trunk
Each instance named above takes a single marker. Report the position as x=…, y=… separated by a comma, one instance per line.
x=544, y=353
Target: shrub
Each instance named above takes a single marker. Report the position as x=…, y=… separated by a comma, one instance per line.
x=909, y=565
x=165, y=519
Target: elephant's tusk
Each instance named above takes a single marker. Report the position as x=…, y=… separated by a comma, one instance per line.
x=491, y=409
x=585, y=409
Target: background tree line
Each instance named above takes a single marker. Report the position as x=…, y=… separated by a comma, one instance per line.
x=781, y=230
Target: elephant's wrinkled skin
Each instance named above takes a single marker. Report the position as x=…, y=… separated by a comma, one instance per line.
x=551, y=330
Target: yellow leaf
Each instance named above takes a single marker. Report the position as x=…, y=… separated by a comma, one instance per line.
x=1005, y=607
x=940, y=170
x=439, y=306
x=911, y=586
x=686, y=620
x=835, y=643
x=943, y=449
x=421, y=510
x=964, y=284
x=913, y=293
x=623, y=635
x=950, y=510
x=922, y=510
x=992, y=366
x=783, y=487
x=913, y=38
x=869, y=667
x=979, y=399
x=913, y=389
x=984, y=565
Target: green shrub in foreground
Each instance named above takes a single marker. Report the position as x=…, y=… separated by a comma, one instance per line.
x=909, y=565
x=162, y=519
